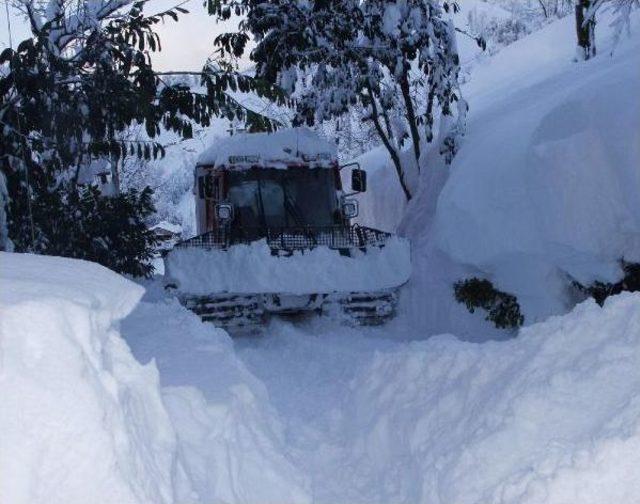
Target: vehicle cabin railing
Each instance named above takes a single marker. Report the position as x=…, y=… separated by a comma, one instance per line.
x=290, y=239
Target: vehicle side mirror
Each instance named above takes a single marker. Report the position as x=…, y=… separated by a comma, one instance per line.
x=350, y=208
x=358, y=180
x=224, y=212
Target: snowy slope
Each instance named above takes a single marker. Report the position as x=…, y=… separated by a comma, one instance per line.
x=545, y=185
x=542, y=191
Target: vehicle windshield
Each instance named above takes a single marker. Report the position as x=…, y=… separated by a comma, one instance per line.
x=283, y=198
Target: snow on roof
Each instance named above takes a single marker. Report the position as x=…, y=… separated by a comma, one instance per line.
x=167, y=226
x=281, y=149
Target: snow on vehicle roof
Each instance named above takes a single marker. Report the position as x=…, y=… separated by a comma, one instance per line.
x=280, y=149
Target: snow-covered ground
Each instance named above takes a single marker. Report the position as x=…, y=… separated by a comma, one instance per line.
x=313, y=412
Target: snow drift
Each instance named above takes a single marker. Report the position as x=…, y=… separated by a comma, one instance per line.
x=79, y=416
x=542, y=190
x=253, y=269
x=230, y=437
x=81, y=420
x=552, y=416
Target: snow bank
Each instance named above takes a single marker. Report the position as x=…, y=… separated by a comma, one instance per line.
x=80, y=419
x=552, y=416
x=541, y=191
x=252, y=269
x=544, y=188
x=281, y=149
x=231, y=441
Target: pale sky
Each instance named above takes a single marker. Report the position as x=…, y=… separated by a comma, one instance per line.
x=186, y=44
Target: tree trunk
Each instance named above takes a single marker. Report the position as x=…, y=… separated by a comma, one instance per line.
x=393, y=153
x=585, y=29
x=411, y=116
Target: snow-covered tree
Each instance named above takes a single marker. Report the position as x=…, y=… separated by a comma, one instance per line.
x=397, y=59
x=69, y=94
x=586, y=22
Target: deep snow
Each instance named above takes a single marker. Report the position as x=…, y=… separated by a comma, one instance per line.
x=79, y=416
x=280, y=149
x=550, y=417
x=253, y=269
x=313, y=412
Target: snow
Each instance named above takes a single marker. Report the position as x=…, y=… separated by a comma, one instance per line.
x=281, y=149
x=425, y=409
x=475, y=17
x=253, y=269
x=168, y=226
x=552, y=416
x=230, y=438
x=542, y=188
x=81, y=420
x=79, y=416
x=540, y=193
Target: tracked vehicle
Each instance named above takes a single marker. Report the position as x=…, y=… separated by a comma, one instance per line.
x=275, y=236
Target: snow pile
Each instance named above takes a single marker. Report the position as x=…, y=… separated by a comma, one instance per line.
x=281, y=149
x=80, y=418
x=544, y=188
x=231, y=441
x=253, y=269
x=552, y=416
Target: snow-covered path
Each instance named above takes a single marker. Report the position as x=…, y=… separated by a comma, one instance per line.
x=308, y=370
x=552, y=416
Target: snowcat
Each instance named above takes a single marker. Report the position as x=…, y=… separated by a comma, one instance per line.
x=275, y=235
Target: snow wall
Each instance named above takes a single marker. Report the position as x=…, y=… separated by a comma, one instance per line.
x=81, y=420
x=551, y=417
x=231, y=439
x=79, y=416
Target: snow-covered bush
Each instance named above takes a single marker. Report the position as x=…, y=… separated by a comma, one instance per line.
x=502, y=308
x=84, y=224
x=600, y=291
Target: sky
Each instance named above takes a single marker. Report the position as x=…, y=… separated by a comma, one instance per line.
x=186, y=43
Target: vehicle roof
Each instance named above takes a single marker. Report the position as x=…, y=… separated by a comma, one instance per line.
x=281, y=149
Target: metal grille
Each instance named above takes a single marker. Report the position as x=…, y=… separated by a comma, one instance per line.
x=290, y=238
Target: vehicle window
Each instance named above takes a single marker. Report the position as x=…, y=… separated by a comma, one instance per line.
x=279, y=198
